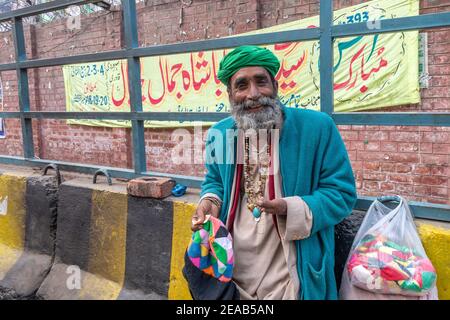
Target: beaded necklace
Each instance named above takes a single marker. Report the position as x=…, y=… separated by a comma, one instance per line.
x=255, y=189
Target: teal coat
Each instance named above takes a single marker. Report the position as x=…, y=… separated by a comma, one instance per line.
x=314, y=165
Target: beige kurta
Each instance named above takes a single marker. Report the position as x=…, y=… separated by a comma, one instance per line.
x=260, y=270
x=265, y=264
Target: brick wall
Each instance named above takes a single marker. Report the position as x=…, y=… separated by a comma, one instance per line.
x=410, y=161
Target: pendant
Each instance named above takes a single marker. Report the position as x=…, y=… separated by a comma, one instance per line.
x=256, y=214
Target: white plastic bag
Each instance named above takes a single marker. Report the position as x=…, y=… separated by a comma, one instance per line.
x=387, y=255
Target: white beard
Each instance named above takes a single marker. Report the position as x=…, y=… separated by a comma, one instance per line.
x=269, y=117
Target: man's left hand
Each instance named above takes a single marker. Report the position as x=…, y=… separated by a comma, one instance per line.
x=276, y=206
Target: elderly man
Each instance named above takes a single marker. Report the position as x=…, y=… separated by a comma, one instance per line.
x=282, y=221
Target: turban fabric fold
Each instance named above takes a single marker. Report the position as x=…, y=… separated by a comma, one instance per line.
x=247, y=56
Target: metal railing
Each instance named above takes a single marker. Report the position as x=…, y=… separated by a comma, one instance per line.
x=132, y=52
x=48, y=17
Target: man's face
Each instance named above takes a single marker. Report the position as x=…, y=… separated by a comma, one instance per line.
x=251, y=83
x=253, y=99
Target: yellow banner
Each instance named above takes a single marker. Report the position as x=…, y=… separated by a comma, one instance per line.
x=370, y=72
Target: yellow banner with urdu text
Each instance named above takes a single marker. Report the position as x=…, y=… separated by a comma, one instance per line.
x=370, y=72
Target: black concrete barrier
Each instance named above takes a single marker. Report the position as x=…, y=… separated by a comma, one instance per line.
x=109, y=245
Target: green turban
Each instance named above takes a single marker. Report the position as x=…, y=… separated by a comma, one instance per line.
x=247, y=56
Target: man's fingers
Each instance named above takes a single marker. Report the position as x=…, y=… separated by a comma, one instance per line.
x=215, y=211
x=276, y=206
x=266, y=204
x=197, y=219
x=196, y=225
x=204, y=208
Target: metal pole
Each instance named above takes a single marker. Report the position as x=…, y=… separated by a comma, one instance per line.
x=134, y=83
x=326, y=57
x=23, y=92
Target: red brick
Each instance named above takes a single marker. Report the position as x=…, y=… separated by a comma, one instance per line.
x=404, y=136
x=357, y=165
x=357, y=145
x=388, y=167
x=349, y=135
x=370, y=156
x=435, y=70
x=402, y=157
x=440, y=81
x=434, y=180
x=408, y=147
x=441, y=148
x=400, y=178
x=438, y=104
x=440, y=48
x=404, y=189
x=441, y=58
x=373, y=135
x=387, y=186
x=388, y=146
x=371, y=185
x=372, y=146
x=425, y=147
x=373, y=166
x=352, y=155
x=374, y=176
x=403, y=168
x=439, y=192
x=152, y=187
x=348, y=145
x=438, y=92
x=427, y=10
x=422, y=190
x=407, y=128
x=387, y=128
x=436, y=137
x=440, y=170
x=221, y=5
x=441, y=36
x=435, y=159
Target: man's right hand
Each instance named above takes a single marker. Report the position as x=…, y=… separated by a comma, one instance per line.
x=205, y=207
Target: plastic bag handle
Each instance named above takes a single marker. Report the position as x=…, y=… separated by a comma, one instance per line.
x=389, y=198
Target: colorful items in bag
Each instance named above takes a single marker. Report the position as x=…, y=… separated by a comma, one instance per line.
x=211, y=250
x=383, y=266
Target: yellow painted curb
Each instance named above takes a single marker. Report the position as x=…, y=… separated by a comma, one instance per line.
x=12, y=220
x=436, y=241
x=107, y=246
x=182, y=214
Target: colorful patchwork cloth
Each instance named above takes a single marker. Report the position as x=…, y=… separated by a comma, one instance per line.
x=383, y=266
x=211, y=250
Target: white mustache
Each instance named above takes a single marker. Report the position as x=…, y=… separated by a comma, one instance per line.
x=261, y=102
